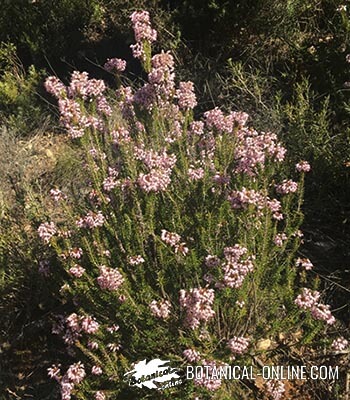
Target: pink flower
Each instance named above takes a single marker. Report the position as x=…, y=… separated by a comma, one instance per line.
x=170, y=238
x=57, y=195
x=113, y=328
x=142, y=27
x=89, y=325
x=181, y=248
x=238, y=345
x=100, y=396
x=307, y=299
x=212, y=261
x=120, y=135
x=76, y=373
x=236, y=268
x=197, y=128
x=279, y=239
x=115, y=65
x=156, y=180
x=46, y=231
x=113, y=347
x=92, y=345
x=96, y=370
x=286, y=187
x=195, y=174
x=54, y=372
x=91, y=220
x=191, y=355
x=340, y=344
x=274, y=389
x=55, y=87
x=76, y=252
x=304, y=263
x=160, y=309
x=322, y=312
x=240, y=304
x=136, y=260
x=185, y=94
x=77, y=271
x=110, y=279
x=103, y=107
x=207, y=383
x=303, y=166
x=245, y=197
x=198, y=306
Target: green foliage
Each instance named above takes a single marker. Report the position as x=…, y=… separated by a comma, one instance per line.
x=21, y=109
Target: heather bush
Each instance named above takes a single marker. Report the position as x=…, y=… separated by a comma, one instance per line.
x=180, y=240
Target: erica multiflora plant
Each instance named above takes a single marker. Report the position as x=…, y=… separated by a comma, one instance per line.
x=181, y=243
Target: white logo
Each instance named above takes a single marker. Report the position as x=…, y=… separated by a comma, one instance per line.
x=154, y=374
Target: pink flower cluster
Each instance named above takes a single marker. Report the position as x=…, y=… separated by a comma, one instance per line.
x=253, y=148
x=156, y=180
x=77, y=271
x=109, y=278
x=74, y=375
x=235, y=268
x=96, y=370
x=303, y=166
x=173, y=240
x=340, y=344
x=115, y=65
x=120, y=135
x=55, y=87
x=191, y=355
x=111, y=181
x=46, y=231
x=198, y=306
x=274, y=389
x=196, y=128
x=82, y=86
x=142, y=27
x=161, y=82
x=160, y=166
x=195, y=174
x=215, y=119
x=100, y=395
x=304, y=263
x=136, y=260
x=78, y=323
x=143, y=32
x=209, y=384
x=91, y=220
x=308, y=300
x=76, y=252
x=279, y=239
x=57, y=195
x=186, y=96
x=238, y=345
x=286, y=187
x=245, y=197
x=160, y=309
x=71, y=114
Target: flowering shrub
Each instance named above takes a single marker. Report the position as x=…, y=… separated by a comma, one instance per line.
x=182, y=240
